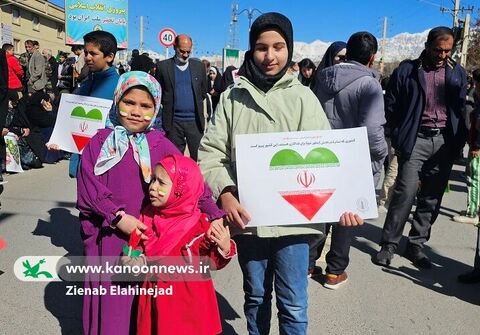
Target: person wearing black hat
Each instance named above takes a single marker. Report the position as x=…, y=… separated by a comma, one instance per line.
x=265, y=99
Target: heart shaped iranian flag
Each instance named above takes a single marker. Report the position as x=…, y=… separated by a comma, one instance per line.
x=305, y=200
x=81, y=138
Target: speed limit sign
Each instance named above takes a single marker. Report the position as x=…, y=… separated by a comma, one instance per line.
x=167, y=37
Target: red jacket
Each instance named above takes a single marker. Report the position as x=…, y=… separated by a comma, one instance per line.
x=15, y=73
x=193, y=307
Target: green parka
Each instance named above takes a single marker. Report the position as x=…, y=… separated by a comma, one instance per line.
x=245, y=109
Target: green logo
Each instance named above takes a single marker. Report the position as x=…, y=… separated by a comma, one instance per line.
x=131, y=252
x=33, y=271
x=94, y=114
x=318, y=157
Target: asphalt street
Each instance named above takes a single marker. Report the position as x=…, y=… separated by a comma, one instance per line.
x=38, y=217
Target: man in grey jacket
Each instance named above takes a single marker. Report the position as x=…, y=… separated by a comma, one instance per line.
x=36, y=68
x=351, y=96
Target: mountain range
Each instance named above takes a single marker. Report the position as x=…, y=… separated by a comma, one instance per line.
x=397, y=48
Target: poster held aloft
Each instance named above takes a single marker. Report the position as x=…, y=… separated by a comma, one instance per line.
x=305, y=177
x=78, y=119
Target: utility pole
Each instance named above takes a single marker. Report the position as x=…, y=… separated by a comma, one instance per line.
x=233, y=43
x=465, y=40
x=384, y=45
x=141, y=35
x=455, y=13
x=461, y=41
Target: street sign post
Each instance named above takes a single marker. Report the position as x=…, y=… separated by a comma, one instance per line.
x=166, y=37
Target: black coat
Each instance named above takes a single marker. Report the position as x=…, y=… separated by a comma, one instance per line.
x=54, y=67
x=36, y=115
x=217, y=87
x=142, y=63
x=66, y=77
x=18, y=119
x=165, y=74
x=405, y=101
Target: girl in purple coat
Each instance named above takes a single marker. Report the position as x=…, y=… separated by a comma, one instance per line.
x=113, y=180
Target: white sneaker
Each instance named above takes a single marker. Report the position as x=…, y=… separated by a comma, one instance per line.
x=466, y=219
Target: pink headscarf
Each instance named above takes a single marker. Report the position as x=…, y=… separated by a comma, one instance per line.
x=169, y=224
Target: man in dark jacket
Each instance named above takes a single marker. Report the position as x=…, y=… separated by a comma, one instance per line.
x=184, y=86
x=51, y=69
x=424, y=105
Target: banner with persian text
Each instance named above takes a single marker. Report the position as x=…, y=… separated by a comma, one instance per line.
x=82, y=17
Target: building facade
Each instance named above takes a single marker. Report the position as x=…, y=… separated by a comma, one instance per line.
x=38, y=20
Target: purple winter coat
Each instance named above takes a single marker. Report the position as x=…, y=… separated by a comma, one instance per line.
x=98, y=199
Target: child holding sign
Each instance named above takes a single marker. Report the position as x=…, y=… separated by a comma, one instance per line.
x=112, y=186
x=265, y=99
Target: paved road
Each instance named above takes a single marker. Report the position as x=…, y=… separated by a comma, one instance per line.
x=38, y=218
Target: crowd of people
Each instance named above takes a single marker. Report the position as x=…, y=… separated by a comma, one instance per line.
x=133, y=182
x=36, y=81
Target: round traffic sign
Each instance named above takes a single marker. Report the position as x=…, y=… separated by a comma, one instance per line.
x=167, y=37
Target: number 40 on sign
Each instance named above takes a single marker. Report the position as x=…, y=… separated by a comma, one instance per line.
x=167, y=37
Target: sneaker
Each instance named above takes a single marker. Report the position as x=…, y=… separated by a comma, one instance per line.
x=472, y=277
x=316, y=271
x=384, y=256
x=417, y=257
x=466, y=219
x=333, y=282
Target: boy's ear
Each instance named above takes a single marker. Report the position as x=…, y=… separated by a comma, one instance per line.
x=109, y=58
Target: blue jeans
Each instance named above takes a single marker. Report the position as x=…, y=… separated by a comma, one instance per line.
x=280, y=262
x=73, y=165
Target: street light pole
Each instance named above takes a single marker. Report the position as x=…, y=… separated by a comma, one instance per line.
x=234, y=22
x=250, y=12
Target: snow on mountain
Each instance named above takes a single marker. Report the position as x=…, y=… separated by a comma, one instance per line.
x=397, y=48
x=404, y=46
x=314, y=50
